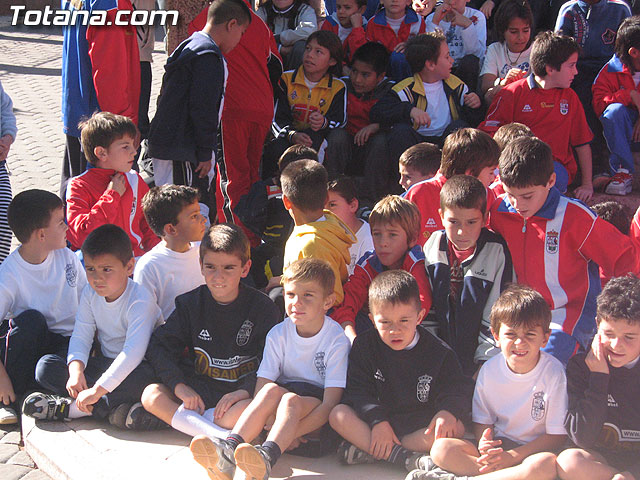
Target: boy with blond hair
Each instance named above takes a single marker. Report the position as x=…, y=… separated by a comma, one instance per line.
x=468, y=266
x=395, y=223
x=111, y=192
x=121, y=314
x=301, y=378
x=172, y=268
x=519, y=403
x=380, y=419
x=40, y=284
x=222, y=326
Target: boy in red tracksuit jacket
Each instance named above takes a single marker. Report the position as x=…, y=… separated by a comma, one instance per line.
x=395, y=224
x=556, y=244
x=382, y=28
x=109, y=192
x=348, y=23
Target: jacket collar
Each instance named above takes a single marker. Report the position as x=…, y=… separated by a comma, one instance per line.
x=547, y=211
x=410, y=16
x=298, y=79
x=615, y=65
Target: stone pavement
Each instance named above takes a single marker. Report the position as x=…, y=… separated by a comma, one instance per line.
x=15, y=463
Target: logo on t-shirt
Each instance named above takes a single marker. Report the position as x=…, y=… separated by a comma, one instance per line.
x=527, y=108
x=611, y=401
x=553, y=241
x=431, y=223
x=204, y=335
x=609, y=37
x=378, y=376
x=71, y=275
x=564, y=107
x=242, y=338
x=318, y=362
x=424, y=385
x=538, y=406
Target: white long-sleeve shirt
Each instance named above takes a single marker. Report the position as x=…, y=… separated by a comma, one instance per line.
x=124, y=327
x=463, y=41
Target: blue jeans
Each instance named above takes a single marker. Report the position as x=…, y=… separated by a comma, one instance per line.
x=617, y=125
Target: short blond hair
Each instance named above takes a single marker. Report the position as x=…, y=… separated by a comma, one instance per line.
x=395, y=209
x=310, y=270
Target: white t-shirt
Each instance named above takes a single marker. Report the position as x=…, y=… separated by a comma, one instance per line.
x=363, y=244
x=463, y=41
x=499, y=60
x=521, y=407
x=167, y=274
x=395, y=24
x=343, y=33
x=53, y=288
x=437, y=108
x=124, y=327
x=320, y=360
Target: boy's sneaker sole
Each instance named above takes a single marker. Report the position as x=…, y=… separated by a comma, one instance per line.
x=211, y=456
x=252, y=462
x=8, y=416
x=44, y=406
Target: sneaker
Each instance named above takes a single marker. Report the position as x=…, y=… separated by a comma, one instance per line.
x=620, y=184
x=215, y=455
x=8, y=416
x=420, y=461
x=118, y=416
x=139, y=419
x=44, y=406
x=253, y=461
x=437, y=474
x=349, y=454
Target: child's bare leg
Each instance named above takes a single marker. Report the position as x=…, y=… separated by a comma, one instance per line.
x=231, y=416
x=254, y=417
x=291, y=410
x=541, y=466
x=160, y=400
x=576, y=463
x=421, y=440
x=455, y=455
x=344, y=420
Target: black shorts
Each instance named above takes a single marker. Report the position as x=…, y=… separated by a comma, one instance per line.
x=405, y=423
x=304, y=389
x=209, y=389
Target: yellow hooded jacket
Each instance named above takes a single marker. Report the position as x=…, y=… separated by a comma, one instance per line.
x=329, y=240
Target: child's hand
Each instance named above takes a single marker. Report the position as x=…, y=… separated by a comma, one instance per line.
x=363, y=135
x=441, y=11
x=487, y=444
x=399, y=48
x=460, y=20
x=423, y=7
x=273, y=283
x=118, y=183
x=203, y=169
x=623, y=476
x=584, y=192
x=596, y=358
x=487, y=7
x=356, y=20
x=300, y=138
x=316, y=121
x=444, y=425
x=513, y=75
x=382, y=440
x=350, y=332
x=191, y=400
x=227, y=401
x=7, y=395
x=420, y=117
x=76, y=383
x=472, y=100
x=491, y=462
x=88, y=397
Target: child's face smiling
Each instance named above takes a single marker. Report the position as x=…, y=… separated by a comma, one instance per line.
x=363, y=77
x=521, y=346
x=396, y=323
x=621, y=341
x=222, y=273
x=316, y=61
x=306, y=304
x=390, y=243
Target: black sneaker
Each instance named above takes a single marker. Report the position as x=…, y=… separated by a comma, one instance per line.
x=349, y=454
x=215, y=455
x=44, y=406
x=253, y=461
x=118, y=416
x=139, y=419
x=420, y=461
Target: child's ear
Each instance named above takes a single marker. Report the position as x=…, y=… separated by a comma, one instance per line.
x=362, y=9
x=634, y=52
x=231, y=23
x=546, y=335
x=40, y=234
x=421, y=315
x=353, y=206
x=129, y=266
x=429, y=65
x=441, y=213
x=495, y=337
x=100, y=152
x=169, y=230
x=552, y=181
x=332, y=61
x=286, y=202
x=246, y=268
x=549, y=69
x=329, y=301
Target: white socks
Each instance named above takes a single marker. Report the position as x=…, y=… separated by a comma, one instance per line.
x=74, y=411
x=192, y=423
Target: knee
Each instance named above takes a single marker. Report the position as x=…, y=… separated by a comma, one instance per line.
x=44, y=366
x=542, y=466
x=150, y=395
x=290, y=401
x=441, y=449
x=338, y=136
x=31, y=321
x=568, y=461
x=614, y=112
x=271, y=392
x=338, y=415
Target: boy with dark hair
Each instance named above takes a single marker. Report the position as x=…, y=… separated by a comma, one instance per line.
x=360, y=148
x=418, y=163
x=318, y=233
x=615, y=213
x=616, y=100
x=519, y=403
x=395, y=223
x=348, y=23
x=467, y=151
x=40, y=284
x=300, y=379
x=183, y=136
x=556, y=243
x=222, y=325
x=122, y=315
x=171, y=268
x=468, y=266
x=545, y=103
x=602, y=385
x=405, y=108
x=379, y=418
x=111, y=192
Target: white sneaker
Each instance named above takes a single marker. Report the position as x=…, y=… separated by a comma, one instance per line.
x=620, y=184
x=8, y=416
